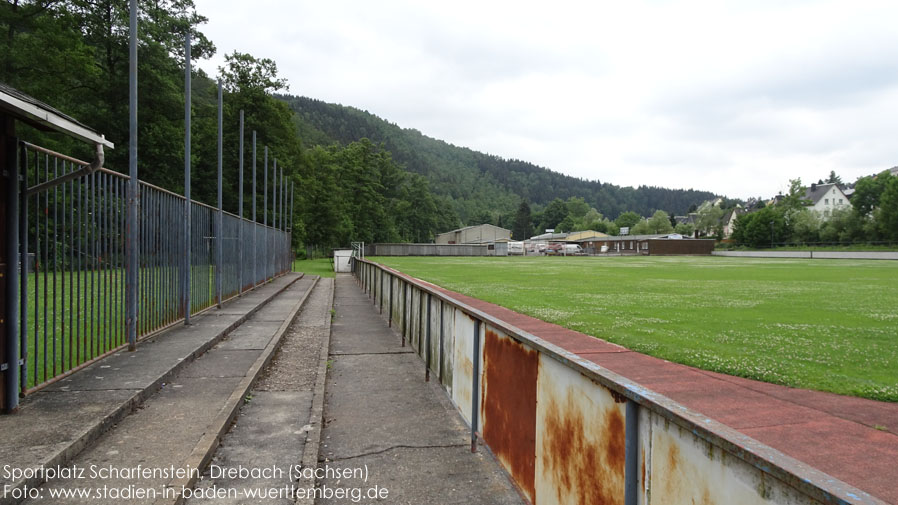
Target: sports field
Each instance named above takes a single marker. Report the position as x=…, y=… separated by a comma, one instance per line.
x=830, y=325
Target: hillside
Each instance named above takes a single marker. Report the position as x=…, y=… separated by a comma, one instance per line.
x=481, y=186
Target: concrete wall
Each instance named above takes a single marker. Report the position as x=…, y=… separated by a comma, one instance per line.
x=570, y=432
x=853, y=255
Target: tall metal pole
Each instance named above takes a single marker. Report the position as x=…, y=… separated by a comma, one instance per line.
x=219, y=215
x=282, y=222
x=240, y=214
x=185, y=263
x=274, y=217
x=131, y=243
x=292, y=214
x=11, y=337
x=255, y=223
x=265, y=217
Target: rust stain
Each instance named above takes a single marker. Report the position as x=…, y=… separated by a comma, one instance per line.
x=673, y=459
x=585, y=466
x=678, y=475
x=509, y=404
x=618, y=398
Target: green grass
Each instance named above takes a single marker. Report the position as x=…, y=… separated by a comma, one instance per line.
x=322, y=266
x=88, y=316
x=829, y=325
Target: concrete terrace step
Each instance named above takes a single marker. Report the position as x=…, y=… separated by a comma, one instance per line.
x=56, y=424
x=280, y=426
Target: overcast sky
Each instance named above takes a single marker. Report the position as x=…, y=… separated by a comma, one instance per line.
x=731, y=97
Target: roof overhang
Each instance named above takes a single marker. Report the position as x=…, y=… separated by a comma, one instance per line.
x=33, y=112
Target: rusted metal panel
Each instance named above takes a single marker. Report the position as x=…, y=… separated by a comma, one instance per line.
x=580, y=442
x=688, y=469
x=463, y=366
x=508, y=406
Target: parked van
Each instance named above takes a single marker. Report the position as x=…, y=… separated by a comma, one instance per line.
x=573, y=250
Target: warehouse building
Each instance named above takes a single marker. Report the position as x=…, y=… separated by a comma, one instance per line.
x=479, y=234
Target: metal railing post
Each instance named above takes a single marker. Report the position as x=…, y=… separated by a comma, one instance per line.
x=440, y=374
x=404, y=310
x=631, y=449
x=427, y=343
x=11, y=294
x=475, y=387
x=133, y=195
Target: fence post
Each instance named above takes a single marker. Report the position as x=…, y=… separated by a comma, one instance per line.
x=185, y=261
x=265, y=218
x=390, y=306
x=404, y=310
x=475, y=388
x=427, y=343
x=218, y=215
x=133, y=195
x=255, y=223
x=240, y=214
x=292, y=217
x=631, y=450
x=11, y=328
x=282, y=223
x=273, y=254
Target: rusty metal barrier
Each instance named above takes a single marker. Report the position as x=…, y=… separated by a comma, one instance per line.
x=570, y=431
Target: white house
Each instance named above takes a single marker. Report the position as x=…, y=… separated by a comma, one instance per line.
x=825, y=198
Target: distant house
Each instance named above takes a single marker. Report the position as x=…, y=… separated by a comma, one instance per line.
x=479, y=234
x=729, y=220
x=825, y=198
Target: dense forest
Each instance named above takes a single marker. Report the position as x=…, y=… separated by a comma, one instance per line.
x=357, y=176
x=482, y=187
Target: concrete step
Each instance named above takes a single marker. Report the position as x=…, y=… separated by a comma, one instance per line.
x=278, y=429
x=179, y=426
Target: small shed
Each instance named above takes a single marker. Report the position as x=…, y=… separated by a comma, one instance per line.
x=343, y=260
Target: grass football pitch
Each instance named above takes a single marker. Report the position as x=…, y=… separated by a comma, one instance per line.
x=830, y=325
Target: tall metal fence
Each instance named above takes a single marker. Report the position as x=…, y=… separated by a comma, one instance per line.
x=72, y=259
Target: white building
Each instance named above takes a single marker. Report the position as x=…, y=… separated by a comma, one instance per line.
x=825, y=198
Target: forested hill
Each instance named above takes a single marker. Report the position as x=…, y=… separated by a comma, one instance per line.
x=481, y=185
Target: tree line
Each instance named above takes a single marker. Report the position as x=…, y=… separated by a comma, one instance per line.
x=872, y=217
x=73, y=55
x=482, y=188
